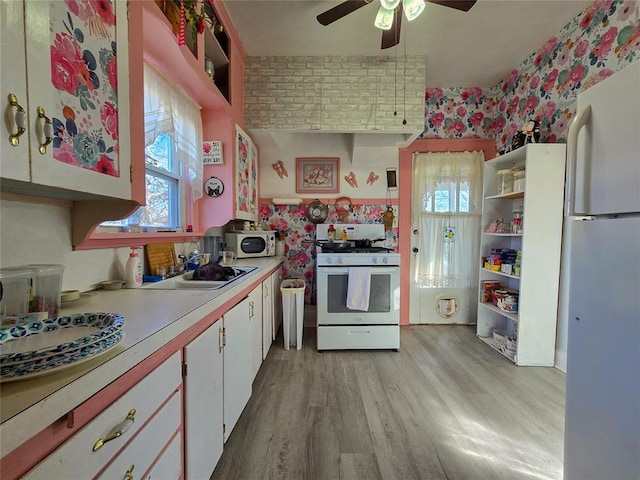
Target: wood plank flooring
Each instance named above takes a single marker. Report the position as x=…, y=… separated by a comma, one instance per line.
x=445, y=407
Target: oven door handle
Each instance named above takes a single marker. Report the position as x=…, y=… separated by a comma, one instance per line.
x=375, y=270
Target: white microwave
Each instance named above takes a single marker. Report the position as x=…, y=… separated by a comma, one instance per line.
x=248, y=244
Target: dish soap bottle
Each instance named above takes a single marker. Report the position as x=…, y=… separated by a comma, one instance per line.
x=193, y=255
x=133, y=270
x=344, y=234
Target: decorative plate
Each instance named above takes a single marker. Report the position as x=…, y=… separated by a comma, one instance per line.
x=53, y=336
x=214, y=187
x=60, y=361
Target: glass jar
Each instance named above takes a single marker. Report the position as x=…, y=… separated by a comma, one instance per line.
x=505, y=181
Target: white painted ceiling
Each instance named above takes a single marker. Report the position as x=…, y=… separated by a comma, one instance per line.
x=475, y=48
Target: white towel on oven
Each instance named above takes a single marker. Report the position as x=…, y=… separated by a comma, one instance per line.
x=358, y=288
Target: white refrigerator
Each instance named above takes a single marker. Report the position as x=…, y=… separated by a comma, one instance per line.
x=602, y=416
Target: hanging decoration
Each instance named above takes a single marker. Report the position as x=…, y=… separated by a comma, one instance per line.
x=351, y=180
x=280, y=169
x=181, y=31
x=372, y=178
x=387, y=218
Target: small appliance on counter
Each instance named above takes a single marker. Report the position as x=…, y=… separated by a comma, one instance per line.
x=258, y=243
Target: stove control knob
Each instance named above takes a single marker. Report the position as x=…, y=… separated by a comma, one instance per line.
x=340, y=261
x=374, y=260
x=385, y=260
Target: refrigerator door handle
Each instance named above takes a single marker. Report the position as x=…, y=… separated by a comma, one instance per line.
x=581, y=119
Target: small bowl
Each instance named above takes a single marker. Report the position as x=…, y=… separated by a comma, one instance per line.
x=112, y=284
x=69, y=296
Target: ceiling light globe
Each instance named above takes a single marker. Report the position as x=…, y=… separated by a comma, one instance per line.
x=384, y=19
x=390, y=4
x=413, y=8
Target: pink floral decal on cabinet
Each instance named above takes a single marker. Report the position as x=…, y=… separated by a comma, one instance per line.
x=246, y=172
x=603, y=39
x=84, y=72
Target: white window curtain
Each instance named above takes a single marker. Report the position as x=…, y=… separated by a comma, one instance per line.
x=168, y=110
x=446, y=206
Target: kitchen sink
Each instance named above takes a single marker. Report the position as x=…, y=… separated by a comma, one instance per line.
x=186, y=281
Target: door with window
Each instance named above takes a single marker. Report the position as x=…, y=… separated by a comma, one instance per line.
x=445, y=231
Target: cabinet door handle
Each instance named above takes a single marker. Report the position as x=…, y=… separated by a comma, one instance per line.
x=47, y=130
x=128, y=475
x=251, y=310
x=20, y=119
x=116, y=431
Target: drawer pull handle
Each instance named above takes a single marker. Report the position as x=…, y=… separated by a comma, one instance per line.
x=20, y=119
x=129, y=473
x=117, y=431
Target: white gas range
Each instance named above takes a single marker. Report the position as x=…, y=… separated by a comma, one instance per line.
x=346, y=275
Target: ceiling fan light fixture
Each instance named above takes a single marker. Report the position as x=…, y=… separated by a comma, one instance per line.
x=384, y=19
x=413, y=8
x=390, y=4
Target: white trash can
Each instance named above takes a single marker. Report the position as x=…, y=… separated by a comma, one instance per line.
x=292, y=312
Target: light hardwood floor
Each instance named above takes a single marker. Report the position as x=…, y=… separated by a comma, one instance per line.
x=444, y=407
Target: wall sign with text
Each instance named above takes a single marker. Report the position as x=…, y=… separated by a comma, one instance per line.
x=212, y=153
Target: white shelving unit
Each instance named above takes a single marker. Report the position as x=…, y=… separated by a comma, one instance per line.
x=534, y=326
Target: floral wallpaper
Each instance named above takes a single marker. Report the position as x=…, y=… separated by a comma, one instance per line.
x=603, y=39
x=298, y=232
x=84, y=71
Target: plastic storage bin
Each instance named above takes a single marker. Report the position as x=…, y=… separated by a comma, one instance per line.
x=15, y=285
x=292, y=312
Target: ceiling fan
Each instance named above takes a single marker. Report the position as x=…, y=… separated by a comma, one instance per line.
x=389, y=17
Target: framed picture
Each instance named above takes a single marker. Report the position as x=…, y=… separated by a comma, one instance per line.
x=212, y=153
x=317, y=175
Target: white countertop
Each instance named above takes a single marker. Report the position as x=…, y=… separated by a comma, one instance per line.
x=152, y=319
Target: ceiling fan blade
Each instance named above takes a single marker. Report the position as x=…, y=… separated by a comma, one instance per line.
x=464, y=5
x=391, y=37
x=341, y=10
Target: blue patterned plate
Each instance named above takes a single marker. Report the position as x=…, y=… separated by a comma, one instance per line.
x=54, y=336
x=60, y=361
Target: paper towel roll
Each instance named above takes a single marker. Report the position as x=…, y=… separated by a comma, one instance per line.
x=287, y=201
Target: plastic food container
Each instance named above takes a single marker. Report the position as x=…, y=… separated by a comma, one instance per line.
x=46, y=290
x=505, y=181
x=15, y=284
x=518, y=180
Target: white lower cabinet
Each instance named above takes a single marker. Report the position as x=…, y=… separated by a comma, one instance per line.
x=141, y=453
x=276, y=281
x=135, y=421
x=267, y=316
x=255, y=324
x=169, y=465
x=203, y=395
x=237, y=364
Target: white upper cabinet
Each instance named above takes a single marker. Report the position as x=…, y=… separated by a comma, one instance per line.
x=66, y=65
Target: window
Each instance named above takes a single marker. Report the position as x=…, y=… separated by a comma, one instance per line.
x=447, y=190
x=173, y=156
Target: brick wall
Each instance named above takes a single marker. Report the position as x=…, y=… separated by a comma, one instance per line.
x=335, y=93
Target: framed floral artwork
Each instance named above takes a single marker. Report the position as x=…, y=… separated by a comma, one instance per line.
x=317, y=175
